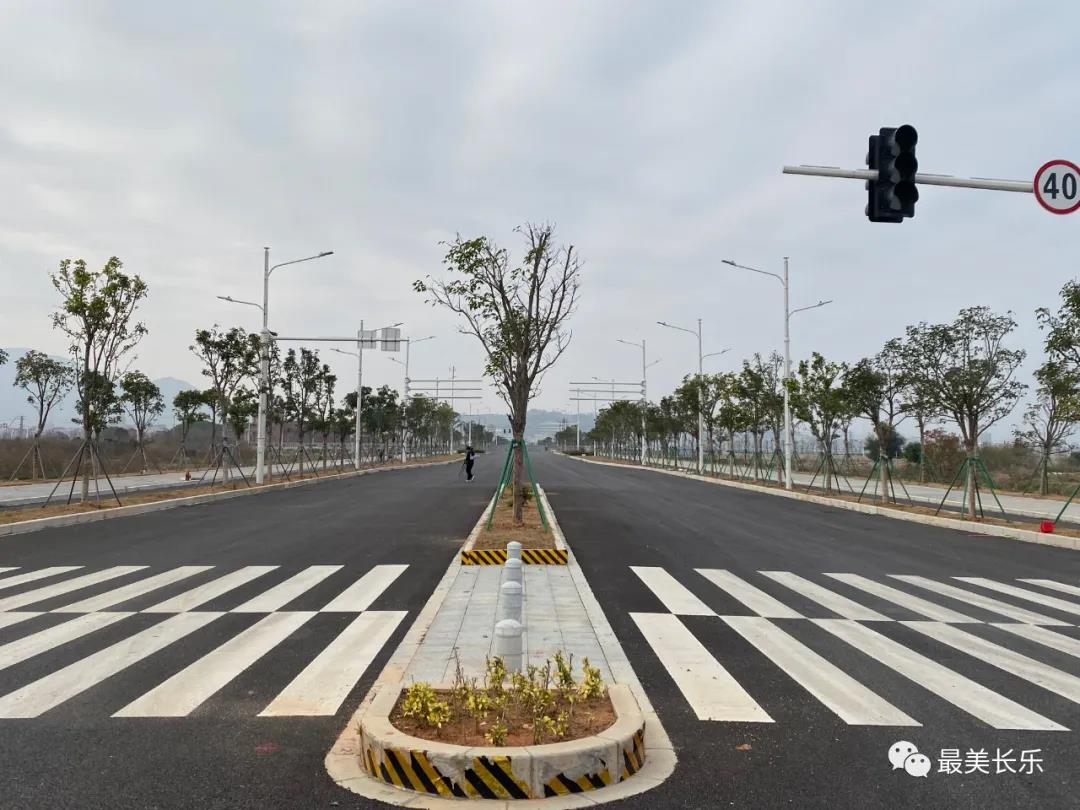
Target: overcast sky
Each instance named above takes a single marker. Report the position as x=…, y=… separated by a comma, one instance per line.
x=183, y=137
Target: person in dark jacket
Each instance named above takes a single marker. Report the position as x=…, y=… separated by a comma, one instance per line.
x=470, y=459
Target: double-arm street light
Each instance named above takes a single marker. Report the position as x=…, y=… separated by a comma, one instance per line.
x=405, y=400
x=789, y=439
x=264, y=351
x=359, y=355
x=701, y=400
x=644, y=396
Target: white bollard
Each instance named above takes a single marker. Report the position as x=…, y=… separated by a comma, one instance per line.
x=512, y=571
x=513, y=550
x=510, y=601
x=508, y=644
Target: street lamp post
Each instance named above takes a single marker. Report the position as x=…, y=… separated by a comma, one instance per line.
x=701, y=404
x=789, y=439
x=644, y=397
x=405, y=400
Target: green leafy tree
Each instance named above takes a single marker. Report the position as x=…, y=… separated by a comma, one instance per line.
x=229, y=357
x=968, y=374
x=820, y=399
x=97, y=313
x=1051, y=419
x=518, y=312
x=242, y=407
x=142, y=400
x=303, y=378
x=894, y=446
x=187, y=408
x=46, y=382
x=875, y=389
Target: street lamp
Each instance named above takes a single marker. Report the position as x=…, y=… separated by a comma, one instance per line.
x=789, y=439
x=644, y=400
x=264, y=351
x=701, y=404
x=405, y=400
x=359, y=355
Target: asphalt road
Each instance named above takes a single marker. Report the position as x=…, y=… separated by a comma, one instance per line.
x=190, y=696
x=809, y=755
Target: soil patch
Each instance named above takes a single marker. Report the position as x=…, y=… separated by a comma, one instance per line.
x=531, y=534
x=589, y=717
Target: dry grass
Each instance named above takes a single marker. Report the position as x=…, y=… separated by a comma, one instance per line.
x=34, y=512
x=531, y=534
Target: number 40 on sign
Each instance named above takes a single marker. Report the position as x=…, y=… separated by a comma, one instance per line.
x=1057, y=186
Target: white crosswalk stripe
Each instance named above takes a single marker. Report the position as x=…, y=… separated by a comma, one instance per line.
x=319, y=689
x=67, y=586
x=819, y=663
x=33, y=576
x=1054, y=586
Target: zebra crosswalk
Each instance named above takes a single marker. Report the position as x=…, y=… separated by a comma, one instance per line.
x=121, y=625
x=947, y=645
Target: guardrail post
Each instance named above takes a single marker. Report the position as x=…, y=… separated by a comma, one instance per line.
x=508, y=643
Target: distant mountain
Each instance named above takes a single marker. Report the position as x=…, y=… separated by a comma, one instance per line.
x=539, y=423
x=13, y=402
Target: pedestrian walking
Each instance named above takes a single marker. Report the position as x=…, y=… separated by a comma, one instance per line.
x=470, y=459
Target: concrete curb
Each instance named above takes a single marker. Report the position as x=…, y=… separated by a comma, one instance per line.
x=27, y=526
x=957, y=524
x=507, y=772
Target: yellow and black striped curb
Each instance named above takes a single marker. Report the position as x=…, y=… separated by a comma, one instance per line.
x=529, y=556
x=458, y=771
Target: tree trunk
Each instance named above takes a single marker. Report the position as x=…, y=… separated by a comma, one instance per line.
x=519, y=469
x=1044, y=479
x=972, y=480
x=922, y=451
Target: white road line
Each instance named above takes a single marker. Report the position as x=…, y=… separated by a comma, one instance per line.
x=31, y=576
x=46, y=693
x=913, y=603
x=977, y=599
x=8, y=619
x=9, y=568
x=754, y=598
x=1040, y=635
x=185, y=691
x=974, y=698
x=1038, y=673
x=671, y=593
x=1023, y=593
x=108, y=599
x=710, y=689
x=359, y=596
x=854, y=703
x=67, y=586
x=37, y=643
x=1055, y=586
x=280, y=595
x=323, y=685
x=189, y=600
x=838, y=604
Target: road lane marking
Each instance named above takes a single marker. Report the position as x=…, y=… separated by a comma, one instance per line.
x=323, y=685
x=189, y=600
x=1036, y=672
x=754, y=598
x=1056, y=586
x=280, y=595
x=8, y=619
x=359, y=596
x=710, y=689
x=31, y=576
x=8, y=568
x=46, y=693
x=191, y=687
x=977, y=599
x=671, y=593
x=838, y=604
x=974, y=698
x=19, y=650
x=913, y=603
x=1040, y=635
x=114, y=597
x=1023, y=593
x=854, y=703
x=68, y=585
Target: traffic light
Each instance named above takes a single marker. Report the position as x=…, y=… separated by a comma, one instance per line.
x=893, y=195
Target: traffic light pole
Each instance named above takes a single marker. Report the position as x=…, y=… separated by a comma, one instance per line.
x=1024, y=186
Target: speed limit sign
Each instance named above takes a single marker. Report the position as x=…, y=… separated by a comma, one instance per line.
x=1057, y=186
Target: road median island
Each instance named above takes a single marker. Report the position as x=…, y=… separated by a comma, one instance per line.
x=16, y=521
x=539, y=545
x=427, y=727
x=991, y=527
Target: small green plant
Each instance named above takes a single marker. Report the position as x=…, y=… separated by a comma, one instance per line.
x=422, y=703
x=495, y=676
x=592, y=684
x=496, y=733
x=478, y=703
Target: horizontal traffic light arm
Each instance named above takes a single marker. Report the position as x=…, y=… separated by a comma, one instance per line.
x=1027, y=186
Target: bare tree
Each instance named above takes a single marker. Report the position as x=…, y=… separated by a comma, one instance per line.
x=46, y=382
x=967, y=373
x=875, y=389
x=1052, y=418
x=518, y=312
x=98, y=315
